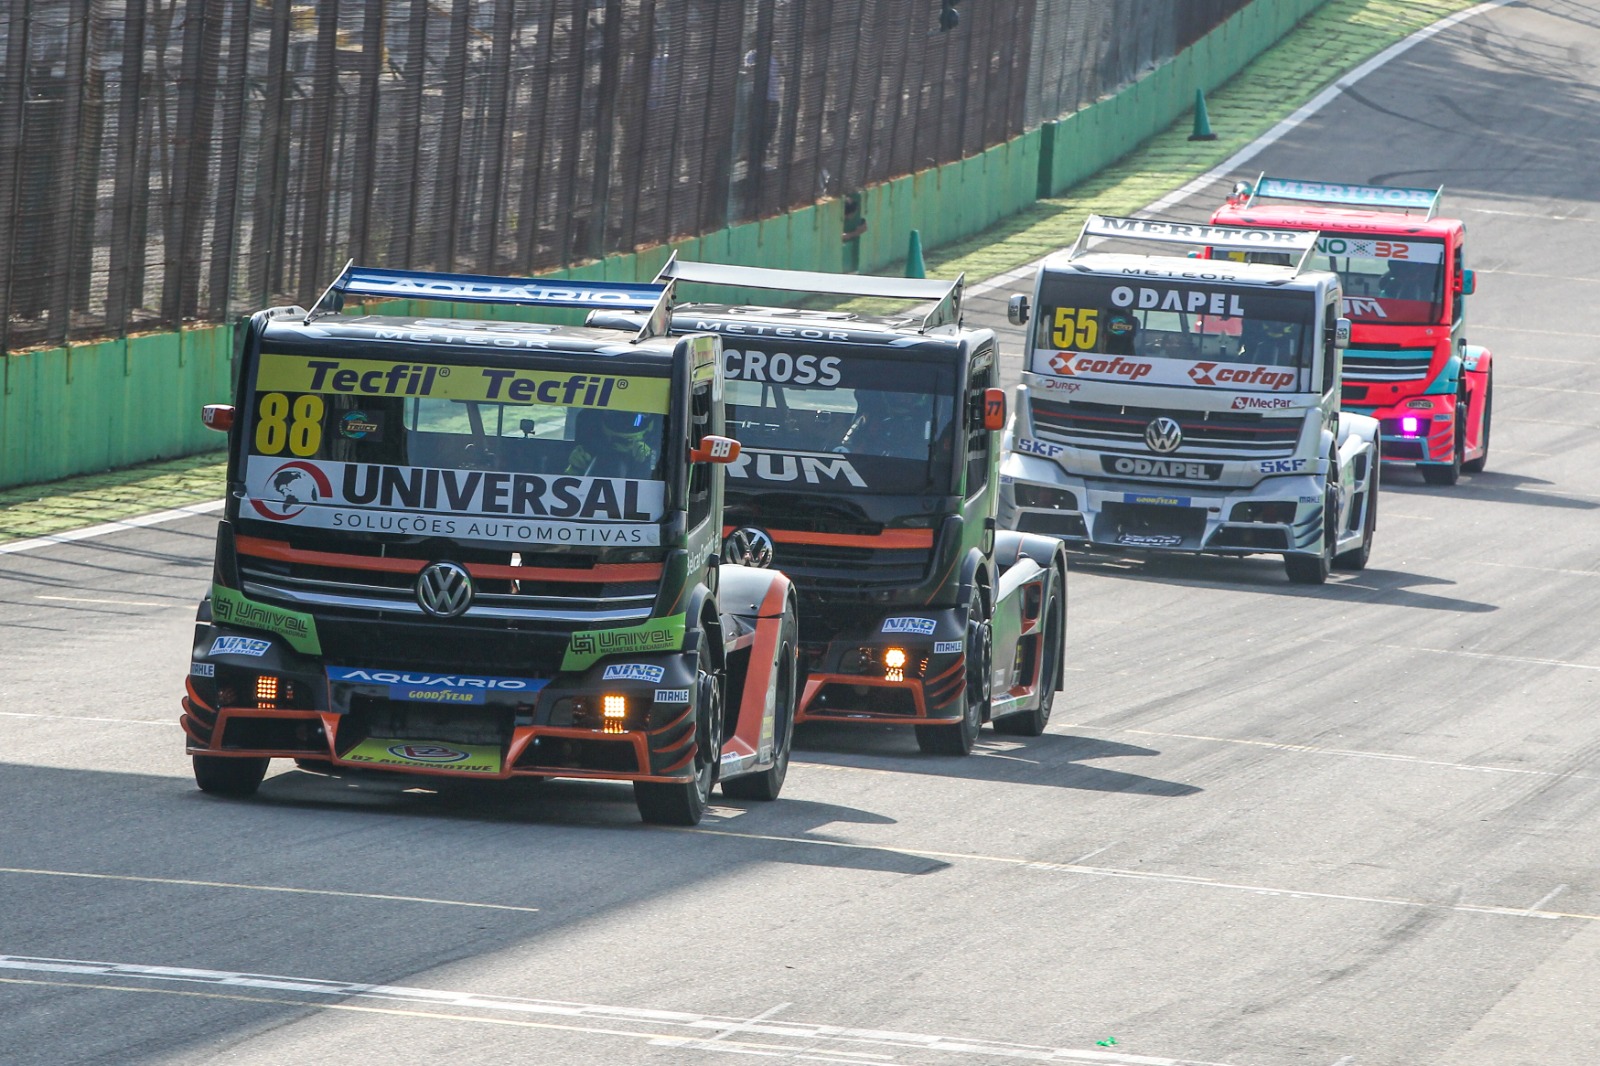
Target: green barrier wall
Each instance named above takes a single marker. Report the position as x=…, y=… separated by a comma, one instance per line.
x=91, y=407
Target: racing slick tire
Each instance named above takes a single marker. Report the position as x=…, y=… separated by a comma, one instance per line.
x=769, y=782
x=1475, y=466
x=1032, y=723
x=1314, y=569
x=222, y=776
x=1449, y=473
x=684, y=802
x=958, y=740
x=1356, y=558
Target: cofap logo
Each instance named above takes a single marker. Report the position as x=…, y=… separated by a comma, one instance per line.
x=634, y=672
x=1216, y=374
x=1069, y=364
x=924, y=626
x=298, y=485
x=1261, y=403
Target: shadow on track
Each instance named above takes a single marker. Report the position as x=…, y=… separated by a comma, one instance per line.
x=1054, y=760
x=1493, y=486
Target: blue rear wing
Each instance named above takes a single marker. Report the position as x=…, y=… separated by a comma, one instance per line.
x=1389, y=197
x=653, y=300
x=946, y=295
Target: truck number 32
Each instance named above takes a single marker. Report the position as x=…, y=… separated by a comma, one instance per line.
x=298, y=426
x=1076, y=328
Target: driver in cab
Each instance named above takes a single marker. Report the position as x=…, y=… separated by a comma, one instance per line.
x=614, y=444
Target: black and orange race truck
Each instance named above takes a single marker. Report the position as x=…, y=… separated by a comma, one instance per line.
x=868, y=474
x=487, y=549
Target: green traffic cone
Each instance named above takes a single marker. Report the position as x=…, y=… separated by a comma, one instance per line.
x=915, y=268
x=1202, y=121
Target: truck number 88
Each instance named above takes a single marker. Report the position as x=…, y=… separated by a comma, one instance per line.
x=279, y=423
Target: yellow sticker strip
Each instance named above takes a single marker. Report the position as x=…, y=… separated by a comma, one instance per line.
x=440, y=381
x=426, y=755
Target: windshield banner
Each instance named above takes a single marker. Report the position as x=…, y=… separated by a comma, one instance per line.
x=1237, y=377
x=464, y=504
x=440, y=381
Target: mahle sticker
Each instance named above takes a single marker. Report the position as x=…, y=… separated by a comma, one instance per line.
x=586, y=648
x=235, y=609
x=672, y=695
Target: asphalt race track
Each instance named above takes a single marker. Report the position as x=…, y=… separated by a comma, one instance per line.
x=1269, y=825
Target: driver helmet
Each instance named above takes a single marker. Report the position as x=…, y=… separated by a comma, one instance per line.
x=624, y=428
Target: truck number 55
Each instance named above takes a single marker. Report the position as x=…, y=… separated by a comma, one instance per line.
x=1076, y=328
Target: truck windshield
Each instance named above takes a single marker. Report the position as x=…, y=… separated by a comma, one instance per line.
x=1170, y=332
x=528, y=456
x=1386, y=282
x=858, y=424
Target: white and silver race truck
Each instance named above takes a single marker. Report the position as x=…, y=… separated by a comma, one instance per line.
x=1190, y=404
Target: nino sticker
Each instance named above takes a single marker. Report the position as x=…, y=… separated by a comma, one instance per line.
x=634, y=672
x=235, y=609
x=923, y=626
x=240, y=646
x=589, y=646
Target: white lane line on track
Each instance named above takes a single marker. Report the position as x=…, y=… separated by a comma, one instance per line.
x=1114, y=873
x=1491, y=327
x=114, y=603
x=187, y=883
x=1548, y=896
x=161, y=979
x=1352, y=753
x=165, y=723
x=103, y=528
x=1521, y=660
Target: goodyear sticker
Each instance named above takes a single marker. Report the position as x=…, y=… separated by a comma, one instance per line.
x=587, y=647
x=426, y=755
x=1160, y=501
x=382, y=377
x=235, y=609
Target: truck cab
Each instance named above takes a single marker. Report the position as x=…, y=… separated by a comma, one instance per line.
x=486, y=549
x=1403, y=272
x=1170, y=403
x=868, y=474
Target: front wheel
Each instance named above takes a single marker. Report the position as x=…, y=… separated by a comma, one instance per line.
x=684, y=802
x=1449, y=473
x=1314, y=569
x=222, y=776
x=769, y=782
x=959, y=739
x=1475, y=466
x=1356, y=558
x=1032, y=723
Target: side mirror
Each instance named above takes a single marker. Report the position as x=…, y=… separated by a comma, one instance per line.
x=1467, y=282
x=1341, y=333
x=1017, y=310
x=217, y=416
x=994, y=408
x=714, y=449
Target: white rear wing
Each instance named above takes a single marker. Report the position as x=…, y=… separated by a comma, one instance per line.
x=1097, y=229
x=1380, y=197
x=945, y=294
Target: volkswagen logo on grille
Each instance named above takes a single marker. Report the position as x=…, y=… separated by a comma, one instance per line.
x=748, y=547
x=1163, y=436
x=444, y=590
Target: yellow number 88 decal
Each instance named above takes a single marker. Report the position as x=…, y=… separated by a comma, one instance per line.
x=297, y=425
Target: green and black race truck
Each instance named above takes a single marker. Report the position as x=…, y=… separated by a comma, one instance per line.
x=868, y=474
x=487, y=549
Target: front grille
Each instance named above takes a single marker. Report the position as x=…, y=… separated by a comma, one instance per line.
x=318, y=584
x=1386, y=368
x=860, y=567
x=1067, y=526
x=1206, y=434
